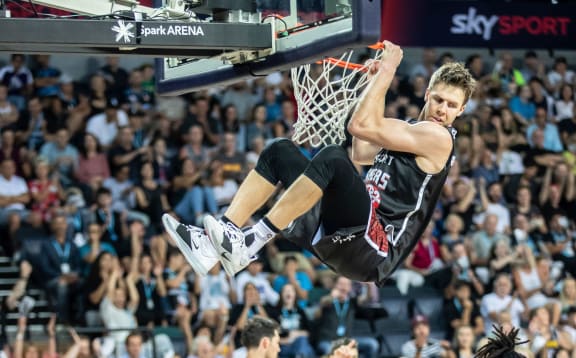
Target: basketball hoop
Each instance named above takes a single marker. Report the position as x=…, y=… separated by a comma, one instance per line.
x=325, y=94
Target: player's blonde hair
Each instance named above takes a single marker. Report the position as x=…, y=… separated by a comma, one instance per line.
x=454, y=74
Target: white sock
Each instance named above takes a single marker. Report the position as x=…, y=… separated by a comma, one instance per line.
x=262, y=234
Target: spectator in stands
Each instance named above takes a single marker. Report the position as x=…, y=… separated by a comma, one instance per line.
x=18, y=78
x=9, y=150
x=241, y=97
x=215, y=296
x=568, y=134
x=193, y=194
x=564, y=105
x=138, y=98
x=557, y=191
x=152, y=290
x=233, y=162
x=121, y=189
x=568, y=295
x=427, y=66
x=92, y=168
x=462, y=311
x=224, y=188
x=533, y=67
x=34, y=350
x=283, y=127
x=113, y=222
x=424, y=264
x=545, y=338
x=454, y=227
x=115, y=76
x=257, y=126
x=150, y=198
x=181, y=304
x=194, y=148
x=46, y=194
x=105, y=124
x=503, y=258
x=463, y=203
x=294, y=325
x=522, y=107
x=530, y=287
x=8, y=112
x=475, y=64
x=231, y=124
x=560, y=243
x=96, y=286
x=551, y=140
x=559, y=75
x=61, y=155
x=254, y=275
x=125, y=153
x=463, y=346
x=271, y=103
x=501, y=303
x=299, y=279
x=14, y=196
x=570, y=323
x=483, y=240
x=31, y=128
x=335, y=316
x=199, y=114
x=61, y=267
x=509, y=77
x=343, y=348
x=261, y=338
x=204, y=348
x=46, y=77
x=162, y=163
x=422, y=345
x=253, y=306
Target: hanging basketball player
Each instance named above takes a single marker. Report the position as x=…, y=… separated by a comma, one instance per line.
x=360, y=228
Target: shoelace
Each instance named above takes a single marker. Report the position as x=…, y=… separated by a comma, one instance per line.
x=234, y=234
x=196, y=233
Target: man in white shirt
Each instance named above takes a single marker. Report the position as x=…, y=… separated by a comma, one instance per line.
x=14, y=196
x=254, y=275
x=104, y=126
x=497, y=305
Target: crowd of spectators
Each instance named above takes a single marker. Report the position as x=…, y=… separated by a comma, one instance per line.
x=89, y=165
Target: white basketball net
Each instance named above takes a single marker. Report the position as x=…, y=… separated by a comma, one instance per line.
x=325, y=95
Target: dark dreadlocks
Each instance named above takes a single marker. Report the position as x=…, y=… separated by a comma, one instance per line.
x=502, y=346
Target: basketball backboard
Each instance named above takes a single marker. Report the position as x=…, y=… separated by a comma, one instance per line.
x=303, y=31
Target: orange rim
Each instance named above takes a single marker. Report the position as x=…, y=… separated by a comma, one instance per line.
x=351, y=65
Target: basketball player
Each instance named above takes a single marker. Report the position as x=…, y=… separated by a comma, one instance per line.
x=361, y=228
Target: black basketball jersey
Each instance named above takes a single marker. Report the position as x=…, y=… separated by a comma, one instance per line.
x=403, y=199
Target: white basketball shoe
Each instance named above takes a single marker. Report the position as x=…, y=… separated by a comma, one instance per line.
x=193, y=243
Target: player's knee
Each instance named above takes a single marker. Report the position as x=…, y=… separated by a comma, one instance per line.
x=278, y=148
x=330, y=154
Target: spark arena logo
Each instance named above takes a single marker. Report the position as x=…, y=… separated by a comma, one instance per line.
x=473, y=23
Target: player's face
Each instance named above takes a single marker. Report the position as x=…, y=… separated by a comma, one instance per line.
x=443, y=104
x=274, y=346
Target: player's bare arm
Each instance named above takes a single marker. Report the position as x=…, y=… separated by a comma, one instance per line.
x=370, y=107
x=372, y=131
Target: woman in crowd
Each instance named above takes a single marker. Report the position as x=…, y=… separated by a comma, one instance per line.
x=294, y=325
x=93, y=167
x=46, y=193
x=150, y=198
x=463, y=345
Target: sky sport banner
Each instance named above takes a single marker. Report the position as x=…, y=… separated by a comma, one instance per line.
x=488, y=24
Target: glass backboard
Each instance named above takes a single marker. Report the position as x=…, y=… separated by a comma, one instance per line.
x=303, y=32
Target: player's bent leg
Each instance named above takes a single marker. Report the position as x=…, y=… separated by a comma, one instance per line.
x=280, y=162
x=193, y=243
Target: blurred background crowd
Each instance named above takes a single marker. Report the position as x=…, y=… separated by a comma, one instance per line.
x=88, y=166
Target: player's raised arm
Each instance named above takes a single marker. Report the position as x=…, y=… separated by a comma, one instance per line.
x=370, y=109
